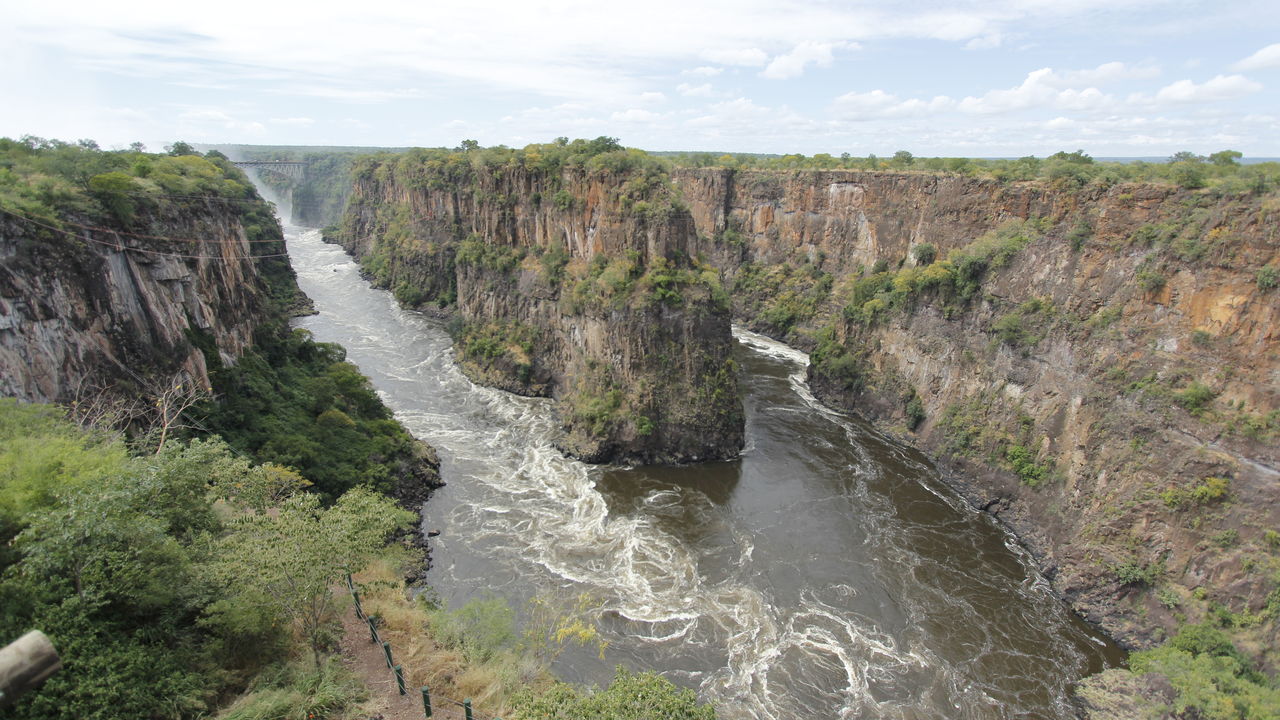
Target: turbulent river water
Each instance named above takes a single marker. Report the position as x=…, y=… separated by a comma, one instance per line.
x=828, y=573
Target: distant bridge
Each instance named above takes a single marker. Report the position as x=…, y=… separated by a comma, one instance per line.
x=289, y=169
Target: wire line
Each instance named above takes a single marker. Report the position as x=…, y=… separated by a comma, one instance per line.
x=120, y=247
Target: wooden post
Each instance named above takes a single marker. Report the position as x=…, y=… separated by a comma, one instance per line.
x=426, y=701
x=25, y=664
x=373, y=628
x=400, y=678
x=386, y=650
x=466, y=708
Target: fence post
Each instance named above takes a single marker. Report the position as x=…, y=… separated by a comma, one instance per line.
x=386, y=650
x=350, y=585
x=359, y=610
x=426, y=701
x=373, y=628
x=466, y=708
x=400, y=678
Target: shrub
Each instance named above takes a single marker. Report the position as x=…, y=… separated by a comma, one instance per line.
x=563, y=199
x=1131, y=572
x=1079, y=235
x=1211, y=489
x=924, y=253
x=1022, y=460
x=1195, y=397
x=1268, y=278
x=631, y=696
x=1150, y=280
x=1211, y=678
x=914, y=411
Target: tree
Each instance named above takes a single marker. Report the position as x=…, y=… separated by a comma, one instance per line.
x=113, y=190
x=902, y=158
x=1226, y=158
x=1077, y=158
x=1189, y=174
x=310, y=548
x=180, y=148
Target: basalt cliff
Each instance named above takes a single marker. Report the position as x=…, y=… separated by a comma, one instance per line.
x=570, y=277
x=1097, y=367
x=151, y=294
x=86, y=307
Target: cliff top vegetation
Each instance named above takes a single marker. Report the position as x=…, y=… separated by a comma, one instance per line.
x=1220, y=172
x=51, y=179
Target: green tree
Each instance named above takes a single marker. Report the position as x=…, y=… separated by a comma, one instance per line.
x=310, y=549
x=1226, y=158
x=113, y=190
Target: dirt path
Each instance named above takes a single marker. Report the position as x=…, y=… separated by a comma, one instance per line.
x=366, y=660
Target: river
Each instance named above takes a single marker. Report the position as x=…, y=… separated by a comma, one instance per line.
x=827, y=573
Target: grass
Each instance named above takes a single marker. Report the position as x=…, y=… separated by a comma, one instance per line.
x=474, y=651
x=298, y=691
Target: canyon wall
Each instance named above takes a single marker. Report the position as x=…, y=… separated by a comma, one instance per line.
x=573, y=281
x=1097, y=367
x=83, y=309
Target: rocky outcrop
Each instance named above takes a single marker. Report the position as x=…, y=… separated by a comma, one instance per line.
x=570, y=282
x=82, y=310
x=1099, y=368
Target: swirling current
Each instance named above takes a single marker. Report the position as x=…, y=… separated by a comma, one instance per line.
x=827, y=573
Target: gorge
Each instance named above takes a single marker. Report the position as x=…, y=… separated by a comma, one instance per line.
x=1091, y=367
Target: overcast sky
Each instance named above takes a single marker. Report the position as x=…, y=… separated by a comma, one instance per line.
x=968, y=77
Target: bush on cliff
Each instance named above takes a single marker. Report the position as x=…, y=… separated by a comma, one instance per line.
x=298, y=403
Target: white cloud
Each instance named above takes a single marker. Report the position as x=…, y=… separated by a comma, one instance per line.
x=295, y=121
x=985, y=42
x=574, y=64
x=1221, y=87
x=206, y=122
x=793, y=64
x=1103, y=74
x=749, y=57
x=1267, y=57
x=880, y=104
x=703, y=90
x=1047, y=88
x=635, y=115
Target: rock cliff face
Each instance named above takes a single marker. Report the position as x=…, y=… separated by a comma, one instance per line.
x=1099, y=368
x=567, y=282
x=99, y=308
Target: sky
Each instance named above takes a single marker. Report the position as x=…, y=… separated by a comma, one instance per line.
x=978, y=78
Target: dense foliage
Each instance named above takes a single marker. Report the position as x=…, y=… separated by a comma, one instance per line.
x=298, y=403
x=1211, y=678
x=51, y=180
x=67, y=186
x=1221, y=171
x=631, y=696
x=148, y=573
